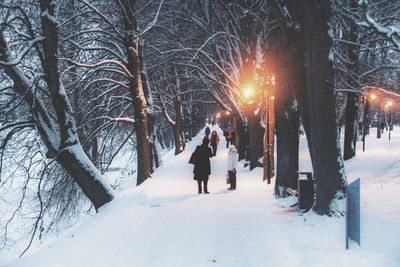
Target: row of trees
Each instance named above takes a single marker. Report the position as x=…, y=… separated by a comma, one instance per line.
x=82, y=80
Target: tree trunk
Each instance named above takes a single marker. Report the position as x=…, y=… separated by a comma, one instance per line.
x=271, y=127
x=74, y=160
x=287, y=60
x=255, y=139
x=378, y=128
x=178, y=127
x=287, y=139
x=66, y=150
x=351, y=125
x=155, y=158
x=137, y=92
x=353, y=100
x=366, y=120
x=241, y=138
x=328, y=164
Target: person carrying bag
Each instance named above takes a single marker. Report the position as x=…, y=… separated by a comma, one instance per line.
x=232, y=165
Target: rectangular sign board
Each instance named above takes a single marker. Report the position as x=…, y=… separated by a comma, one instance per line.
x=353, y=212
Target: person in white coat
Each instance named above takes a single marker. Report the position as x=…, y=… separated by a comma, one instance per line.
x=232, y=165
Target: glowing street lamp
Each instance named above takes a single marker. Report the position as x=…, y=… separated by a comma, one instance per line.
x=218, y=115
x=248, y=93
x=373, y=96
x=227, y=113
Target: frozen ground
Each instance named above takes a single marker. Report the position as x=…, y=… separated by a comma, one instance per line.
x=165, y=222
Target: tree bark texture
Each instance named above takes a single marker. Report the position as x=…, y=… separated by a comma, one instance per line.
x=137, y=92
x=286, y=57
x=328, y=164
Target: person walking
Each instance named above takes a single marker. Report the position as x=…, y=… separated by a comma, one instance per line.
x=232, y=165
x=202, y=167
x=228, y=137
x=214, y=142
x=207, y=131
x=233, y=137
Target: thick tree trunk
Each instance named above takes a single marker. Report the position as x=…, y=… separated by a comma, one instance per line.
x=155, y=159
x=287, y=54
x=144, y=154
x=328, y=165
x=287, y=139
x=74, y=160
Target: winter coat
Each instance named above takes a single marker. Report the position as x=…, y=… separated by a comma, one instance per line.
x=202, y=168
x=232, y=160
x=207, y=131
x=214, y=140
x=233, y=136
x=228, y=135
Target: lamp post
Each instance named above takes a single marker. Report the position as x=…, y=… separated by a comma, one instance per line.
x=268, y=146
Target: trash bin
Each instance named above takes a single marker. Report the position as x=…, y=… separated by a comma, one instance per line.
x=305, y=191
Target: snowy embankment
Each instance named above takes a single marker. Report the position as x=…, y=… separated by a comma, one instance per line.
x=165, y=222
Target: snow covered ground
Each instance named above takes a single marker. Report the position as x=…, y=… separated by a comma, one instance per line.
x=165, y=222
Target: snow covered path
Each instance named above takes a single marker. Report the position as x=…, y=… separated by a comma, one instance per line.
x=165, y=222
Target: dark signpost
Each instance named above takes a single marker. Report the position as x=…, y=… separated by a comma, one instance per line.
x=353, y=212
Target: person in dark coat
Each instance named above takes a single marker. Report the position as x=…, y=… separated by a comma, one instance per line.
x=228, y=137
x=207, y=131
x=202, y=167
x=214, y=140
x=233, y=137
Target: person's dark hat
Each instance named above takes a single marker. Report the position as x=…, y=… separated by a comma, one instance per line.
x=206, y=141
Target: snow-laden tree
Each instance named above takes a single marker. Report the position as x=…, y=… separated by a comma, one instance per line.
x=55, y=123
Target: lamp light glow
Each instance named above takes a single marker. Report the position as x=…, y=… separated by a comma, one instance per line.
x=248, y=92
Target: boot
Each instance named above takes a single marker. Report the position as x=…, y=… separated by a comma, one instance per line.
x=233, y=182
x=205, y=187
x=199, y=186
